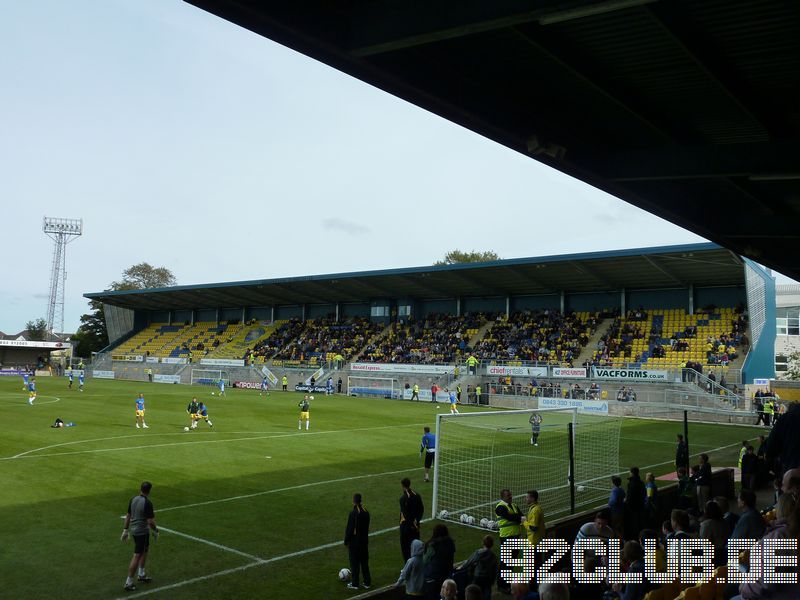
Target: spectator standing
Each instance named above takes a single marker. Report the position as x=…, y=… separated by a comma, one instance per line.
x=139, y=521
x=438, y=558
x=783, y=443
x=339, y=386
x=484, y=567
x=434, y=389
x=634, y=504
x=681, y=454
x=703, y=482
x=509, y=522
x=534, y=522
x=356, y=538
x=411, y=511
x=749, y=469
x=616, y=504
x=651, y=489
x=413, y=573
x=415, y=393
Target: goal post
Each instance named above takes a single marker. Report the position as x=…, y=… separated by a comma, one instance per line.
x=374, y=387
x=209, y=377
x=478, y=454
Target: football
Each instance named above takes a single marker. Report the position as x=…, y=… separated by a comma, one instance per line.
x=443, y=514
x=186, y=429
x=581, y=488
x=311, y=397
x=213, y=394
x=463, y=518
x=344, y=574
x=484, y=522
x=470, y=520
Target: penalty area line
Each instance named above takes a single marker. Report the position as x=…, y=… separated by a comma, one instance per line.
x=256, y=563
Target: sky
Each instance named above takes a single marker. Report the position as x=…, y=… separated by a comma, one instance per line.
x=188, y=142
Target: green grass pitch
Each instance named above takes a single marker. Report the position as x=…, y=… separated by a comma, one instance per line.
x=250, y=507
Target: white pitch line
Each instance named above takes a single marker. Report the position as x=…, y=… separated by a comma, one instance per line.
x=25, y=403
x=145, y=447
x=212, y=544
x=257, y=563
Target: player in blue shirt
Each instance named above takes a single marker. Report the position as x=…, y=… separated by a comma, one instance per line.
x=31, y=390
x=202, y=413
x=71, y=376
x=428, y=446
x=221, y=384
x=140, y=412
x=264, y=386
x=25, y=377
x=329, y=387
x=453, y=401
x=80, y=381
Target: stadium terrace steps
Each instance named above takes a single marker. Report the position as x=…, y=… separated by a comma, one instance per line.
x=375, y=339
x=589, y=349
x=481, y=333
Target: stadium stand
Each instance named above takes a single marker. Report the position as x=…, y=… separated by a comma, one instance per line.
x=438, y=338
x=240, y=343
x=671, y=338
x=542, y=336
x=150, y=340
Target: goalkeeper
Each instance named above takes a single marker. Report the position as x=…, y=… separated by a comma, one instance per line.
x=428, y=446
x=536, y=427
x=140, y=520
x=193, y=409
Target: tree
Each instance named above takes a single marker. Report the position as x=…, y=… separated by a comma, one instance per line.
x=92, y=335
x=793, y=366
x=37, y=330
x=143, y=276
x=456, y=257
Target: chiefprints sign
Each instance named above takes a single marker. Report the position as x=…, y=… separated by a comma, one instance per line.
x=223, y=362
x=392, y=368
x=630, y=374
x=319, y=389
x=516, y=371
x=127, y=357
x=594, y=407
x=103, y=374
x=569, y=372
x=169, y=360
x=161, y=378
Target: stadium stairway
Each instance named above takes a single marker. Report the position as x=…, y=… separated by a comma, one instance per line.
x=588, y=350
x=375, y=339
x=484, y=329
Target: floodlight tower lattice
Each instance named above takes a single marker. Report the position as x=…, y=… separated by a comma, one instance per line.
x=62, y=232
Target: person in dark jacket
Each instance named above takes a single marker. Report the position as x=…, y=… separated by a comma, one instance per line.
x=681, y=454
x=749, y=469
x=635, y=500
x=483, y=564
x=703, y=483
x=751, y=524
x=411, y=512
x=356, y=538
x=440, y=551
x=783, y=443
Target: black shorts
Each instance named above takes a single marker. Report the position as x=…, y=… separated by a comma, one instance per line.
x=141, y=543
x=429, y=456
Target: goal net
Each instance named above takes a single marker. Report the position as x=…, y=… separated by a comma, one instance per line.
x=376, y=387
x=479, y=454
x=209, y=377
